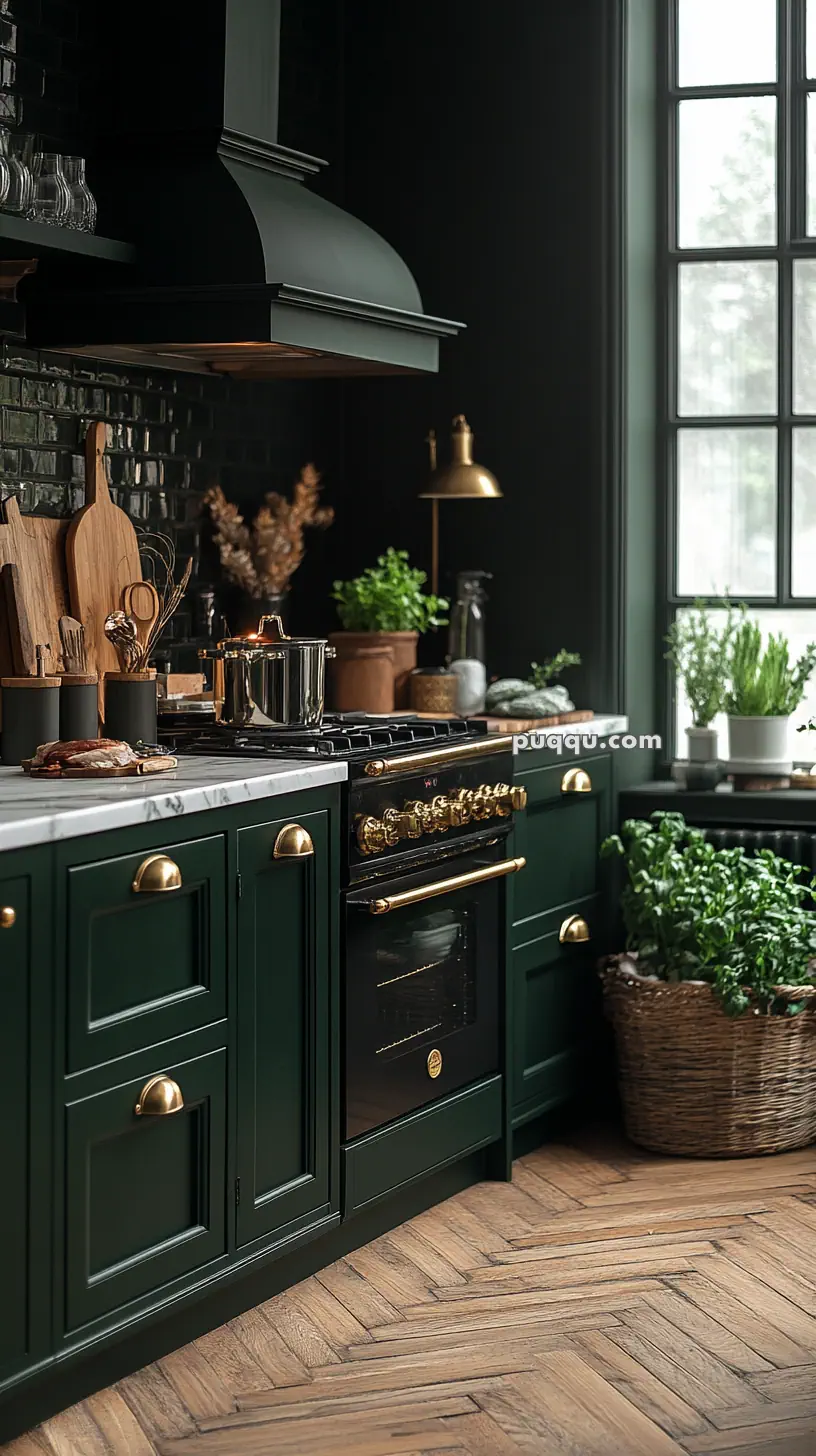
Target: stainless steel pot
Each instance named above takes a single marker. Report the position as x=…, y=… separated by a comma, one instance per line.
x=268, y=679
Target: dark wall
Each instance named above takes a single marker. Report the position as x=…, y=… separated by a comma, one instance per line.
x=475, y=143
x=169, y=437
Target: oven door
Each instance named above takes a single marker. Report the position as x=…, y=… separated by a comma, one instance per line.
x=425, y=960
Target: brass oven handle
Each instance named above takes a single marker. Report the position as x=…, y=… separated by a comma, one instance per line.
x=8, y=915
x=445, y=887
x=293, y=842
x=493, y=743
x=576, y=781
x=160, y=1097
x=156, y=875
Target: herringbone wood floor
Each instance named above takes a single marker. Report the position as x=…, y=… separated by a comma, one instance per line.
x=608, y=1303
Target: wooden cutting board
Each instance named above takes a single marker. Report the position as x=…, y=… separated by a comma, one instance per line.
x=36, y=546
x=102, y=556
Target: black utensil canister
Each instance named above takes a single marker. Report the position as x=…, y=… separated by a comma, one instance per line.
x=30, y=716
x=79, y=706
x=130, y=706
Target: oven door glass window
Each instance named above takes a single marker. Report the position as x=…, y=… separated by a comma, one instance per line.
x=424, y=978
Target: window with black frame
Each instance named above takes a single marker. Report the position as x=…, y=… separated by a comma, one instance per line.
x=740, y=207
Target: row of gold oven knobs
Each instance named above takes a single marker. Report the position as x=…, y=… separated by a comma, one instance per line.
x=445, y=811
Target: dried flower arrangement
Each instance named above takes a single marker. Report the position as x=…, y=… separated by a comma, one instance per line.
x=262, y=558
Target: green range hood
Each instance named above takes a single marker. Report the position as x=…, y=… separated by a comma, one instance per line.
x=241, y=268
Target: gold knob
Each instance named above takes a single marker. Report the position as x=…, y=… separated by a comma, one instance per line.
x=373, y=836
x=293, y=842
x=518, y=797
x=159, y=1097
x=573, y=930
x=576, y=781
x=8, y=915
x=405, y=823
x=156, y=875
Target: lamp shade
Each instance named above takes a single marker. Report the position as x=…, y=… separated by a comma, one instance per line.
x=462, y=479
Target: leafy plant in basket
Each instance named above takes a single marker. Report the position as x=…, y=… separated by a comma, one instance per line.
x=742, y=923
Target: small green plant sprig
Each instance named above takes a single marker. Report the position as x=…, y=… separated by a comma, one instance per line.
x=743, y=923
x=388, y=597
x=766, y=684
x=542, y=674
x=700, y=654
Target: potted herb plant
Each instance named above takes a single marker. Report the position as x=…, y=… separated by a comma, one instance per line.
x=700, y=653
x=383, y=612
x=766, y=688
x=714, y=1002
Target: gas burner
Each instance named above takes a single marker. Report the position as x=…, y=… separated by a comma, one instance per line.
x=346, y=736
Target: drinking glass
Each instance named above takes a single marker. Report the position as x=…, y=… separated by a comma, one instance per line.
x=21, y=182
x=51, y=202
x=83, y=210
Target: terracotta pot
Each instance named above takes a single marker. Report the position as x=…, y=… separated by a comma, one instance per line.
x=403, y=647
x=361, y=676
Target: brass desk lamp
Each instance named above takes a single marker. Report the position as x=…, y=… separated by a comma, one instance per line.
x=461, y=480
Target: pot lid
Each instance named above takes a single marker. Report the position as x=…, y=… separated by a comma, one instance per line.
x=270, y=633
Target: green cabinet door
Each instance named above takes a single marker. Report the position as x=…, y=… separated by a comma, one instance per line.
x=25, y=1203
x=556, y=1011
x=144, y=1185
x=284, y=1023
x=559, y=834
x=144, y=964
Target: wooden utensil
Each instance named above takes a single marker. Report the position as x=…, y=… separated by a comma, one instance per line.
x=36, y=546
x=72, y=638
x=102, y=556
x=23, y=650
x=140, y=601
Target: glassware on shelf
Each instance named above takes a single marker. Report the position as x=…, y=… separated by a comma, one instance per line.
x=21, y=181
x=5, y=174
x=83, y=210
x=51, y=202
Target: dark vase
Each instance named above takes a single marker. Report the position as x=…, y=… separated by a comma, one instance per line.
x=252, y=609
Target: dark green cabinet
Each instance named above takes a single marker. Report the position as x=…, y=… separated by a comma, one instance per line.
x=558, y=919
x=144, y=964
x=25, y=1125
x=284, y=1057
x=145, y=1189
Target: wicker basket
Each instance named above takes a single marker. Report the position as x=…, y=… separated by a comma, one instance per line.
x=702, y=1084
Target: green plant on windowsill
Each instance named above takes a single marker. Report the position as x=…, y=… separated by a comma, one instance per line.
x=388, y=597
x=742, y=923
x=766, y=684
x=699, y=652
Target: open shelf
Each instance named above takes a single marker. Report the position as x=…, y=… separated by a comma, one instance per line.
x=20, y=238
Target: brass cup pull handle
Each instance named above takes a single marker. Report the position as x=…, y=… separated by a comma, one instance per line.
x=445, y=887
x=576, y=781
x=8, y=915
x=574, y=930
x=293, y=842
x=160, y=1097
x=156, y=875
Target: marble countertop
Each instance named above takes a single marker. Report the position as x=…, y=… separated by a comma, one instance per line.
x=38, y=811
x=598, y=727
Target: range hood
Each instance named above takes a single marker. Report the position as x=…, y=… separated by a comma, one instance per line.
x=241, y=268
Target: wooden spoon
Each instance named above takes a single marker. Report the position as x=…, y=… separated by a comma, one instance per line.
x=140, y=601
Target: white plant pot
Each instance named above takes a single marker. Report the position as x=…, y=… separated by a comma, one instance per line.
x=702, y=745
x=759, y=744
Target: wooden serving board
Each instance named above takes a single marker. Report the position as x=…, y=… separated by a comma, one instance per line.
x=163, y=764
x=102, y=557
x=36, y=546
x=520, y=725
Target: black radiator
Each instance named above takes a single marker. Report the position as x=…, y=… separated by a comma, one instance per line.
x=797, y=845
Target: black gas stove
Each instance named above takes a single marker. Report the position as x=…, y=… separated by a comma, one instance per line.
x=349, y=736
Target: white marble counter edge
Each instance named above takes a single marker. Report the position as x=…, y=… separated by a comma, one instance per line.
x=597, y=729
x=225, y=783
